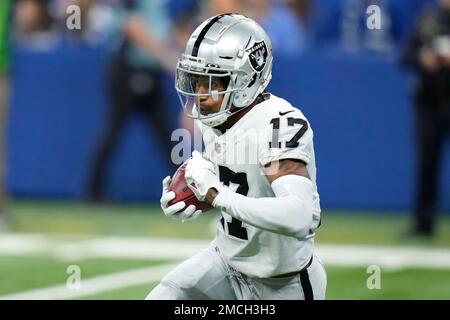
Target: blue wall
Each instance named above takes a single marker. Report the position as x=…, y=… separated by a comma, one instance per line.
x=358, y=106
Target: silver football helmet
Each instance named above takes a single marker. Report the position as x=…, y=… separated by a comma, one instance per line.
x=228, y=49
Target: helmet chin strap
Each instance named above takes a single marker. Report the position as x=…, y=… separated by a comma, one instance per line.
x=215, y=120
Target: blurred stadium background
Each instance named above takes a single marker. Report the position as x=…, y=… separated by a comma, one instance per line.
x=347, y=80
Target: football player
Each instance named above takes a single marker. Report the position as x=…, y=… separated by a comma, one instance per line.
x=258, y=169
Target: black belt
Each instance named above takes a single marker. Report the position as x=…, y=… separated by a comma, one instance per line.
x=294, y=273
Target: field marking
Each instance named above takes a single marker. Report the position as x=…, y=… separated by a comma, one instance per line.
x=388, y=257
x=96, y=285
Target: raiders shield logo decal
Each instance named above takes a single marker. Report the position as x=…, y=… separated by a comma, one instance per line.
x=258, y=55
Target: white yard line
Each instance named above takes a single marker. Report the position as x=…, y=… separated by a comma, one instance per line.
x=96, y=285
x=22, y=244
x=386, y=257
x=392, y=257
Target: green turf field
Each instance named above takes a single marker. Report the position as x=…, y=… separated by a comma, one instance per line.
x=47, y=237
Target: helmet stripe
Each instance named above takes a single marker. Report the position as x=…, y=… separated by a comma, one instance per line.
x=202, y=34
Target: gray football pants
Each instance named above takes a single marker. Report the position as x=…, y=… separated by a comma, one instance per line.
x=207, y=276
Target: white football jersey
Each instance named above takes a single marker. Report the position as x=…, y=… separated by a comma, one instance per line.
x=271, y=130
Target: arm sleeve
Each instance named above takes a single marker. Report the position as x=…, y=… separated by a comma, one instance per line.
x=289, y=213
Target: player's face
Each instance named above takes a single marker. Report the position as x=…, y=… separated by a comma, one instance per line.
x=208, y=104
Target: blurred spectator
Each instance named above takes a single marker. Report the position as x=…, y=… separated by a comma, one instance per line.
x=344, y=24
x=286, y=30
x=185, y=22
x=429, y=53
x=5, y=10
x=95, y=20
x=135, y=80
x=301, y=8
x=277, y=18
x=211, y=8
x=33, y=25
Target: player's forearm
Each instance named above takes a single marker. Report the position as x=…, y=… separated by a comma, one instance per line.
x=289, y=213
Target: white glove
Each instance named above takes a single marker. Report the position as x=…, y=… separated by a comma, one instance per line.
x=200, y=176
x=188, y=213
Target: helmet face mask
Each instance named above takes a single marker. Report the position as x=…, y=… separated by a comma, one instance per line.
x=232, y=58
x=216, y=81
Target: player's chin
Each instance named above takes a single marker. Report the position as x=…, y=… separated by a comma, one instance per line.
x=205, y=112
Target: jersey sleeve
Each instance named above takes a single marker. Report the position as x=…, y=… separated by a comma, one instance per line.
x=288, y=137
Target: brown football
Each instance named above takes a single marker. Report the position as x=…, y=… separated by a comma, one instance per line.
x=183, y=192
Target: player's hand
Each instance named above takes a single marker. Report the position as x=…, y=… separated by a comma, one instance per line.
x=172, y=211
x=200, y=176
